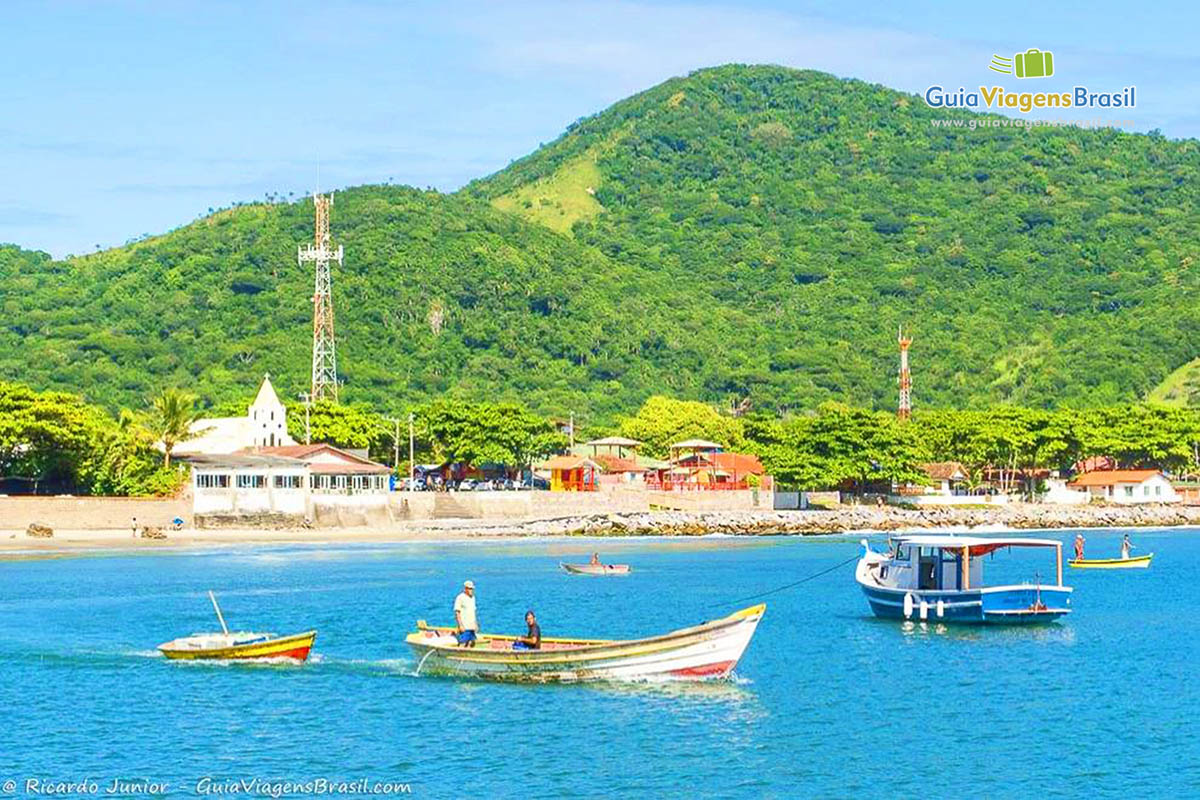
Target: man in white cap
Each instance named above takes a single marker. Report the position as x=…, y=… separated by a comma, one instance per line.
x=466, y=626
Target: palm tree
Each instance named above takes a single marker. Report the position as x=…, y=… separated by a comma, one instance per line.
x=170, y=419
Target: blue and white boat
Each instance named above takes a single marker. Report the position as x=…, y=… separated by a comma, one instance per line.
x=940, y=578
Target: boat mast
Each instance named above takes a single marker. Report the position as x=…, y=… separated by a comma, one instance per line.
x=217, y=608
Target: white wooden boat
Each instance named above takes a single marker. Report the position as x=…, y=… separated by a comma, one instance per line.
x=597, y=569
x=708, y=651
x=238, y=645
x=939, y=577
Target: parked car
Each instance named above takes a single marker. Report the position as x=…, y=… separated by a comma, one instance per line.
x=466, y=485
x=538, y=483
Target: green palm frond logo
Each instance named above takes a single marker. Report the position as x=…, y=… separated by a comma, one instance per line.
x=1033, y=63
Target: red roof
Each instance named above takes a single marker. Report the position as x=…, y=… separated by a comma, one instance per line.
x=612, y=463
x=350, y=463
x=945, y=471
x=1109, y=477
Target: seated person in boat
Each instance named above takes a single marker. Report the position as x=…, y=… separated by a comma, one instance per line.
x=532, y=640
x=1079, y=546
x=595, y=562
x=1126, y=546
x=466, y=626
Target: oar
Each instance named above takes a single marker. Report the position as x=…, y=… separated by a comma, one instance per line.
x=217, y=608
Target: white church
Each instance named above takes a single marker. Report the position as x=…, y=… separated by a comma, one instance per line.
x=265, y=425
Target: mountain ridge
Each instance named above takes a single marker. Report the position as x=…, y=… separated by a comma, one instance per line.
x=754, y=232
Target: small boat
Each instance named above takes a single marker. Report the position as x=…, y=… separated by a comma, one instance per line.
x=597, y=569
x=940, y=578
x=238, y=646
x=1133, y=562
x=708, y=651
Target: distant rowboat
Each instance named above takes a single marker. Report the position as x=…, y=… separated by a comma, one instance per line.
x=708, y=651
x=1134, y=562
x=237, y=646
x=597, y=569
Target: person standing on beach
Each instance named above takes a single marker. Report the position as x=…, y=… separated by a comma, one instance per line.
x=133, y=526
x=466, y=625
x=1079, y=540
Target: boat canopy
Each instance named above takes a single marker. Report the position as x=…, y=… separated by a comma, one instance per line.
x=979, y=545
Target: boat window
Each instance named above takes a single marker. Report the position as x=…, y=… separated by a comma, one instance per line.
x=903, y=553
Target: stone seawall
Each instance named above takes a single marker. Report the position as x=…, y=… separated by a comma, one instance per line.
x=683, y=523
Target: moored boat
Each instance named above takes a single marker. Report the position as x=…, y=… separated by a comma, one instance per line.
x=597, y=569
x=239, y=645
x=1133, y=562
x=940, y=578
x=708, y=651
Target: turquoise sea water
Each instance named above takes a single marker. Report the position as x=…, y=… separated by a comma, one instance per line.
x=829, y=701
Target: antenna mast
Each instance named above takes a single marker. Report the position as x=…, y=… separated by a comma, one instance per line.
x=324, y=350
x=905, y=410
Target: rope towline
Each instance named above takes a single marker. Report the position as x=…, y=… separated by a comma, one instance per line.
x=794, y=584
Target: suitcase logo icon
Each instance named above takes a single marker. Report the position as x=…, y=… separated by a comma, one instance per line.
x=1033, y=63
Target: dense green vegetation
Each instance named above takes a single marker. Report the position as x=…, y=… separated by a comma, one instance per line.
x=741, y=233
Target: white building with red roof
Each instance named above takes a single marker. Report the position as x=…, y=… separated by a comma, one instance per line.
x=1127, y=486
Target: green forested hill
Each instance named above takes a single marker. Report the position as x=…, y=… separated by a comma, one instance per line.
x=742, y=232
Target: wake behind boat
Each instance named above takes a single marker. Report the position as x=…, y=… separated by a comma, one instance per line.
x=940, y=577
x=597, y=569
x=239, y=645
x=708, y=651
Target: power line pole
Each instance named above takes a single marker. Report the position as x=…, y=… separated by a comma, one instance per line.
x=412, y=446
x=306, y=399
x=324, y=349
x=395, y=443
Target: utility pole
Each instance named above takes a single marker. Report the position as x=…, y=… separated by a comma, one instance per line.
x=412, y=446
x=572, y=430
x=306, y=399
x=395, y=443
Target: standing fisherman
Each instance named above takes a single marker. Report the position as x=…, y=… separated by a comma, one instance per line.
x=1126, y=546
x=466, y=625
x=1079, y=540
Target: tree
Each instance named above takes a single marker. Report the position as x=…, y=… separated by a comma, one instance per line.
x=482, y=433
x=170, y=419
x=662, y=421
x=350, y=426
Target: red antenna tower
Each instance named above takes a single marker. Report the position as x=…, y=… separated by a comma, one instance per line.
x=905, y=410
x=324, y=349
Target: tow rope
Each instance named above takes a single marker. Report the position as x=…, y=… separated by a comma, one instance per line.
x=794, y=584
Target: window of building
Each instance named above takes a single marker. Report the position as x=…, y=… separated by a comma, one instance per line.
x=287, y=481
x=339, y=482
x=1129, y=491
x=251, y=481
x=209, y=480
x=358, y=482
x=1145, y=491
x=1158, y=491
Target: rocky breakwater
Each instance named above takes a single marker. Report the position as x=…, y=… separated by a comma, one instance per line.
x=852, y=518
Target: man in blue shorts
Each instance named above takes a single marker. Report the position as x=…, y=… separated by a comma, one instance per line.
x=466, y=625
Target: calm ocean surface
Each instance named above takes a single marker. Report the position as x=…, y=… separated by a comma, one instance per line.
x=829, y=701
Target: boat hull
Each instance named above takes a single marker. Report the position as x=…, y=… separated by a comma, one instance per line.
x=1000, y=605
x=218, y=647
x=705, y=652
x=1136, y=562
x=597, y=569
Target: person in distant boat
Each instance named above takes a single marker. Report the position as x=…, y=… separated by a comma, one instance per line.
x=1079, y=540
x=595, y=562
x=532, y=640
x=1126, y=546
x=466, y=625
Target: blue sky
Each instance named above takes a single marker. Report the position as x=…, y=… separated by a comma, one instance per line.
x=124, y=118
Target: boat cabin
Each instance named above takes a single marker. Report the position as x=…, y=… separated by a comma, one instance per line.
x=950, y=563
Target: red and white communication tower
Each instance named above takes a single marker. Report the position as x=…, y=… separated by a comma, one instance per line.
x=324, y=349
x=905, y=410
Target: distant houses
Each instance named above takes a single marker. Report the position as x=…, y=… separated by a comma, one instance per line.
x=1127, y=486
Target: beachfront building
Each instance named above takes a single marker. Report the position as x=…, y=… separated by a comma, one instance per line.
x=248, y=483
x=333, y=470
x=1127, y=486
x=572, y=474
x=700, y=464
x=946, y=478
x=264, y=425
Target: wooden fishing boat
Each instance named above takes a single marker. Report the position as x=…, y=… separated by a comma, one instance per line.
x=939, y=577
x=597, y=569
x=1133, y=562
x=239, y=645
x=708, y=651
